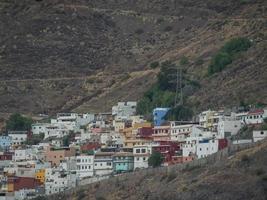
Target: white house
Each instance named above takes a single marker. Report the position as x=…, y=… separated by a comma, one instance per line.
x=189, y=148
x=56, y=130
x=85, y=119
x=141, y=155
x=57, y=142
x=123, y=110
x=259, y=135
x=68, y=120
x=103, y=163
x=24, y=194
x=18, y=137
x=39, y=128
x=23, y=154
x=207, y=147
x=256, y=116
x=228, y=127
x=58, y=181
x=85, y=165
x=179, y=132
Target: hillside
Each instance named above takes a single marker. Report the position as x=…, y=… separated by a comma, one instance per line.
x=241, y=176
x=63, y=55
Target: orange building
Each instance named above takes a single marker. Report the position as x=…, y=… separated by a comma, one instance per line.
x=40, y=175
x=56, y=155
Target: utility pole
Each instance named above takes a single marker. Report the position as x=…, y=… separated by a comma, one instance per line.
x=179, y=87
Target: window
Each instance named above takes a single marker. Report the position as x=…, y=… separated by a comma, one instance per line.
x=200, y=149
x=262, y=132
x=144, y=159
x=137, y=150
x=137, y=158
x=143, y=150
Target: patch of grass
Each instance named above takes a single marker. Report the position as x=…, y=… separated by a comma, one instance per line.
x=199, y=61
x=184, y=61
x=139, y=31
x=264, y=178
x=81, y=195
x=154, y=65
x=168, y=28
x=245, y=158
x=259, y=172
x=171, y=176
x=125, y=77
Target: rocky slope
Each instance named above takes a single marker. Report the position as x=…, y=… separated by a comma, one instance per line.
x=241, y=176
x=62, y=55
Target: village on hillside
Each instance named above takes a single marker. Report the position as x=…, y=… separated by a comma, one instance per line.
x=77, y=149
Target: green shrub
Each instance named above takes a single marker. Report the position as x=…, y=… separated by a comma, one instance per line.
x=219, y=62
x=17, y=122
x=227, y=53
x=260, y=172
x=179, y=113
x=155, y=159
x=184, y=61
x=199, y=61
x=154, y=65
x=236, y=45
x=139, y=31
x=168, y=28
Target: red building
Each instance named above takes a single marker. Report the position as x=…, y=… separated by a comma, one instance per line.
x=17, y=183
x=6, y=156
x=145, y=133
x=222, y=143
x=90, y=146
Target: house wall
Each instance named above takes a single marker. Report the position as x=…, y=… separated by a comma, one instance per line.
x=18, y=139
x=158, y=115
x=5, y=142
x=85, y=166
x=230, y=127
x=259, y=135
x=207, y=148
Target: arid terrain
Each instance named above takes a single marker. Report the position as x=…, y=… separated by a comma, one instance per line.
x=64, y=55
x=240, y=176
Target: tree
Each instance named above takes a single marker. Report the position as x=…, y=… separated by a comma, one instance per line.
x=155, y=159
x=35, y=139
x=181, y=113
x=66, y=140
x=17, y=122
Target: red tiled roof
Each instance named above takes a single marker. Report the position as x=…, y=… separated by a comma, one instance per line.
x=256, y=112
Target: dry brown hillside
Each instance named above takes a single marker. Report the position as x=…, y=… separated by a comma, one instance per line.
x=63, y=55
x=242, y=175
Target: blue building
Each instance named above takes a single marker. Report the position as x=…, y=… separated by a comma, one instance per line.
x=5, y=142
x=158, y=115
x=123, y=162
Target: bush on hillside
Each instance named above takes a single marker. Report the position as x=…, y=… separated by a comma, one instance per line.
x=227, y=53
x=17, y=122
x=184, y=61
x=219, y=62
x=154, y=65
x=180, y=113
x=155, y=160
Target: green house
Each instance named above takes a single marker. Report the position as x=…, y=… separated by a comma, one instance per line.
x=123, y=162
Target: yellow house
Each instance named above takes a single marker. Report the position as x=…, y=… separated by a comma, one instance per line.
x=130, y=143
x=40, y=175
x=10, y=187
x=141, y=124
